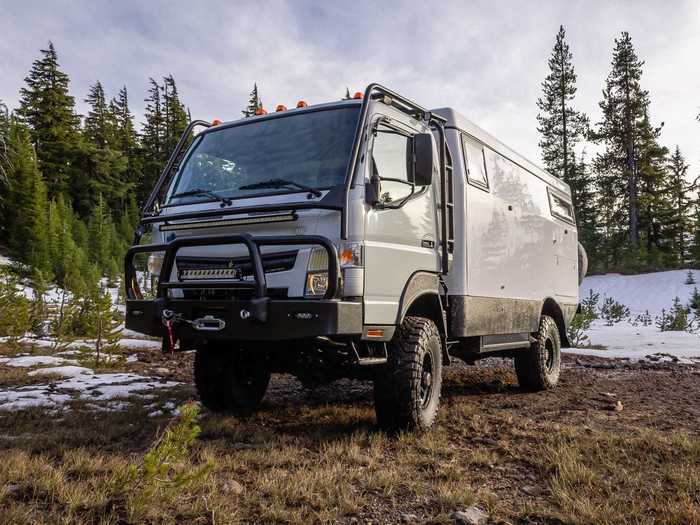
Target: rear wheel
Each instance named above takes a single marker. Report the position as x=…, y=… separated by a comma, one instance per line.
x=229, y=378
x=538, y=367
x=407, y=393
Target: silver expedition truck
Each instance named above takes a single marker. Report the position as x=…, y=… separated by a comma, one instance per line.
x=368, y=238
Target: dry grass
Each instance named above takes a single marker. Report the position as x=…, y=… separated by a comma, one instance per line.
x=537, y=458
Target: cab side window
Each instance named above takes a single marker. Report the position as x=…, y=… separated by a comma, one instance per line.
x=392, y=161
x=476, y=163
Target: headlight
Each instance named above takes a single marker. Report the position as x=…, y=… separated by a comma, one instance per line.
x=316, y=284
x=317, y=273
x=155, y=263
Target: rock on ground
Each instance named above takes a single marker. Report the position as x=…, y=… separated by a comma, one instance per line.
x=471, y=516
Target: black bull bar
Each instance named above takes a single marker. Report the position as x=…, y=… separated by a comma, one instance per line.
x=256, y=318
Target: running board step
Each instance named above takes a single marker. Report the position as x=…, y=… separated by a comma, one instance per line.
x=494, y=343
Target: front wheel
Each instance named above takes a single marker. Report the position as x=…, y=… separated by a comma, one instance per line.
x=538, y=367
x=407, y=392
x=229, y=378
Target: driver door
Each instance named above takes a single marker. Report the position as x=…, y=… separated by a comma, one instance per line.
x=401, y=230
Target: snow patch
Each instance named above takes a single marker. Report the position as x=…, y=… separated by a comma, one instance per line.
x=35, y=360
x=647, y=291
x=88, y=387
x=652, y=292
x=64, y=371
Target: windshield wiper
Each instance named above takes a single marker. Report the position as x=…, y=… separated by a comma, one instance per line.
x=280, y=183
x=225, y=201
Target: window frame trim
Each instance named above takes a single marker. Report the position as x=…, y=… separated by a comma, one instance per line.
x=465, y=157
x=406, y=131
x=551, y=195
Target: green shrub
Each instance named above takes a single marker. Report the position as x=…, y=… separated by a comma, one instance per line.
x=589, y=305
x=643, y=319
x=166, y=468
x=695, y=301
x=676, y=319
x=613, y=312
x=15, y=309
x=579, y=326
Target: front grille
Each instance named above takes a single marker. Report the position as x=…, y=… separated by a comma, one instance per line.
x=233, y=268
x=208, y=294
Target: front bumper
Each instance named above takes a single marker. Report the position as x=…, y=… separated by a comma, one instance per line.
x=256, y=318
x=286, y=319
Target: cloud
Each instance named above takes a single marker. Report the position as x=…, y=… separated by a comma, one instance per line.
x=485, y=58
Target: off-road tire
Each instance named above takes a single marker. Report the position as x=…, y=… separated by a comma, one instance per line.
x=538, y=367
x=230, y=379
x=407, y=391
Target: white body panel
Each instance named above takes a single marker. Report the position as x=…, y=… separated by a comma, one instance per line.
x=508, y=245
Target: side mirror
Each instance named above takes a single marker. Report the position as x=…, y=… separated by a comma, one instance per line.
x=423, y=159
x=372, y=189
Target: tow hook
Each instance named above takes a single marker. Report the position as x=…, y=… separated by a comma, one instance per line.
x=169, y=339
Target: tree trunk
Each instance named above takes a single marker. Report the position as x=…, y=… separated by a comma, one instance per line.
x=632, y=171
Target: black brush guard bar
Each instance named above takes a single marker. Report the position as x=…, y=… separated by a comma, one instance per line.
x=253, y=244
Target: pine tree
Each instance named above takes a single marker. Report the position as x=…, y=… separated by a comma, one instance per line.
x=624, y=108
x=4, y=167
x=561, y=126
x=654, y=204
x=153, y=138
x=585, y=204
x=681, y=195
x=126, y=139
x=104, y=166
x=48, y=109
x=4, y=132
x=27, y=224
x=98, y=122
x=100, y=231
x=175, y=115
x=254, y=102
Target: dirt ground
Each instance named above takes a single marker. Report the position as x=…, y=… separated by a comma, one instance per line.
x=616, y=442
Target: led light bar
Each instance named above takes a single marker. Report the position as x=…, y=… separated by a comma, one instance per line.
x=209, y=273
x=216, y=223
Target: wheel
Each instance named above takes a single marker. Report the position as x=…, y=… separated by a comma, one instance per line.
x=229, y=378
x=538, y=367
x=407, y=392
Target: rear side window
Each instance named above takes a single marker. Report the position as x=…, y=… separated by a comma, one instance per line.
x=476, y=163
x=561, y=208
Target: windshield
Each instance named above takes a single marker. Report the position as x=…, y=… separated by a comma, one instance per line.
x=309, y=149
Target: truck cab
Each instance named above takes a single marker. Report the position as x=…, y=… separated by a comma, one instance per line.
x=367, y=238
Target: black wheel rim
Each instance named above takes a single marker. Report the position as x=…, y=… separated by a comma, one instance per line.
x=426, y=380
x=549, y=354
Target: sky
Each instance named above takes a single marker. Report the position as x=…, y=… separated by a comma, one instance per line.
x=486, y=59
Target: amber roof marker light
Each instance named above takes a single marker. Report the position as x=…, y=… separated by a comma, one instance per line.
x=260, y=111
x=281, y=107
x=302, y=104
x=215, y=122
x=358, y=95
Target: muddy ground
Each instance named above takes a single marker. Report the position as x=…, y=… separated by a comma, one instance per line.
x=616, y=442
